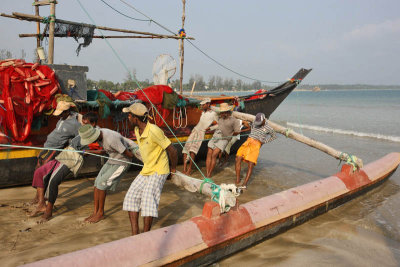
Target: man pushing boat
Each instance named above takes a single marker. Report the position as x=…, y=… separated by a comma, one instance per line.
x=227, y=127
x=195, y=139
x=250, y=149
x=155, y=148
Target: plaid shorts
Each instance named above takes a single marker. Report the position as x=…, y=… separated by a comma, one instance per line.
x=144, y=194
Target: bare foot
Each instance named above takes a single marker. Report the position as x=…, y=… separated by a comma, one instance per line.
x=45, y=218
x=96, y=218
x=34, y=201
x=188, y=172
x=90, y=217
x=39, y=209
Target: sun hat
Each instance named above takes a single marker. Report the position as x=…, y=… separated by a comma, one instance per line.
x=205, y=101
x=88, y=134
x=62, y=106
x=260, y=117
x=137, y=109
x=224, y=107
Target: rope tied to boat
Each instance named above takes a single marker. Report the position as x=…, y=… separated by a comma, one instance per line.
x=350, y=160
x=225, y=194
x=287, y=132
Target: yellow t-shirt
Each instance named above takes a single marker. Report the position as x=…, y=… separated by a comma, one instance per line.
x=152, y=144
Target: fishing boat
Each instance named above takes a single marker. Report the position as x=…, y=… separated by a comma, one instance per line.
x=18, y=147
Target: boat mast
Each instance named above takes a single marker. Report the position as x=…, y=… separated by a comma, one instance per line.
x=37, y=29
x=181, y=50
x=50, y=59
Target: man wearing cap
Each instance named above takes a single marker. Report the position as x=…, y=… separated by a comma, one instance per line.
x=118, y=149
x=66, y=129
x=144, y=193
x=250, y=149
x=193, y=143
x=227, y=127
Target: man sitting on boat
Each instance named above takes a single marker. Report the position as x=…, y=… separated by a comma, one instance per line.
x=66, y=129
x=144, y=193
x=195, y=139
x=250, y=149
x=118, y=149
x=48, y=177
x=227, y=127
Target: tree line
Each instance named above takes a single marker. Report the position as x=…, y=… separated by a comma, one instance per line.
x=214, y=83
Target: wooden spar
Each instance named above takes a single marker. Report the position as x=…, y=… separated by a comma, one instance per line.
x=194, y=84
x=191, y=184
x=37, y=29
x=25, y=35
x=29, y=17
x=43, y=3
x=301, y=138
x=181, y=50
x=50, y=58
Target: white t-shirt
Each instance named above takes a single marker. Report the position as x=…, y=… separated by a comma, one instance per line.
x=206, y=120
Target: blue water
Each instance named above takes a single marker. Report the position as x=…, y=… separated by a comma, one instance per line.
x=362, y=232
x=366, y=113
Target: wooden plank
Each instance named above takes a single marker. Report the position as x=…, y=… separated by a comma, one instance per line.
x=28, y=17
x=27, y=35
x=44, y=3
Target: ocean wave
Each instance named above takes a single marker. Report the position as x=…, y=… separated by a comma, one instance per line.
x=340, y=131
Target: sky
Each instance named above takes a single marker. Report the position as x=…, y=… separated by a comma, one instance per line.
x=344, y=42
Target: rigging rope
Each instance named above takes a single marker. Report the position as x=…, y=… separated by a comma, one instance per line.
x=69, y=150
x=225, y=199
x=201, y=51
x=123, y=13
x=137, y=83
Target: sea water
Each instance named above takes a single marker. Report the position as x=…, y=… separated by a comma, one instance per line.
x=362, y=232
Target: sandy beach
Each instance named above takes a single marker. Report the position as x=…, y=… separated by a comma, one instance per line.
x=23, y=240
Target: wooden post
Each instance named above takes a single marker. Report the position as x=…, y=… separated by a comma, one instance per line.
x=194, y=85
x=301, y=138
x=50, y=59
x=181, y=49
x=37, y=31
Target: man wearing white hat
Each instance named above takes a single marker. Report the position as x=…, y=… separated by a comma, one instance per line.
x=159, y=159
x=228, y=126
x=118, y=149
x=195, y=139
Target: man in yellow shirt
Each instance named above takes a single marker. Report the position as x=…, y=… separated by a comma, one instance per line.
x=155, y=148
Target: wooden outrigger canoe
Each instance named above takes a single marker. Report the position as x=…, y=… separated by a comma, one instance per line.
x=210, y=237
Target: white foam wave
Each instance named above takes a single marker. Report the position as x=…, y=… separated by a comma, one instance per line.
x=340, y=131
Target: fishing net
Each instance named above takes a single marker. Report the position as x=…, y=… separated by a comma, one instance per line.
x=77, y=32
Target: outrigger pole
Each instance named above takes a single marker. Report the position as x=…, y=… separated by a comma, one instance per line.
x=355, y=161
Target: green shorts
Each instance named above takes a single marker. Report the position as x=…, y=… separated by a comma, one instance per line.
x=109, y=176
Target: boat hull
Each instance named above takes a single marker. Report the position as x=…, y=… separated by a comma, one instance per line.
x=208, y=238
